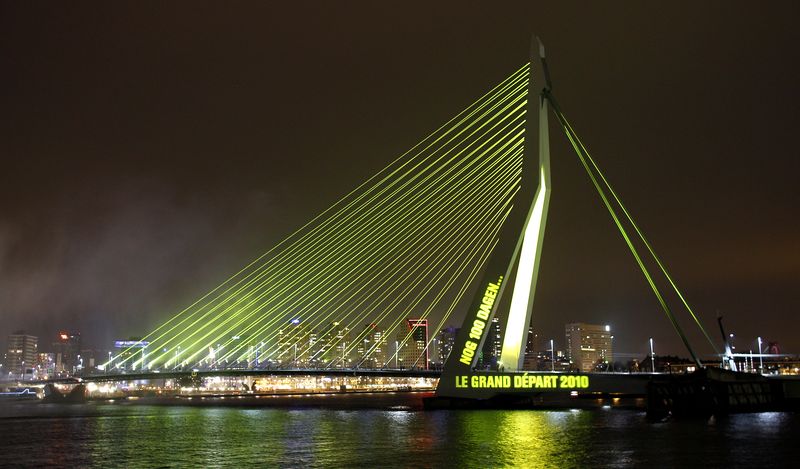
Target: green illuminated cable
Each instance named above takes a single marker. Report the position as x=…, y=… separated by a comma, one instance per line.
x=624, y=233
x=488, y=234
x=213, y=339
x=476, y=220
x=199, y=319
x=396, y=275
x=347, y=299
x=168, y=352
x=480, y=222
x=408, y=212
x=463, y=247
x=469, y=279
x=515, y=76
x=641, y=236
x=488, y=248
x=515, y=170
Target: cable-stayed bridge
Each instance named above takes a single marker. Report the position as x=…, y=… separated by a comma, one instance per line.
x=454, y=225
x=338, y=292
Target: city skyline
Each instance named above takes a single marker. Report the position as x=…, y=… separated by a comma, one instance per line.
x=332, y=346
x=145, y=205
x=399, y=234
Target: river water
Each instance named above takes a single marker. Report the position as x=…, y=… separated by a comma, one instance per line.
x=120, y=435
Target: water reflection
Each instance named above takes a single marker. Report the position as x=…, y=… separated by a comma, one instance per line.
x=522, y=438
x=141, y=436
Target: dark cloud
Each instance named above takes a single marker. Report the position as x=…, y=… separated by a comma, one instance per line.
x=148, y=151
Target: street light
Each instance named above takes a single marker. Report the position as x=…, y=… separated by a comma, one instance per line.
x=652, y=355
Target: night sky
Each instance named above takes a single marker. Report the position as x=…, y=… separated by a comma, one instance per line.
x=151, y=149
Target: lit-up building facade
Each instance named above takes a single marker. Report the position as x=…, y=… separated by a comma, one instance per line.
x=371, y=347
x=588, y=344
x=492, y=346
x=67, y=349
x=447, y=338
x=21, y=354
x=332, y=346
x=412, y=344
x=295, y=343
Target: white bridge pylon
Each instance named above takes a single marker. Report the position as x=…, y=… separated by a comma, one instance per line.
x=521, y=309
x=531, y=238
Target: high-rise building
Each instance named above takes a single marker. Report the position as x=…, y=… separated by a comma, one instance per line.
x=21, y=355
x=67, y=348
x=531, y=360
x=332, y=347
x=319, y=351
x=371, y=349
x=492, y=346
x=447, y=337
x=588, y=345
x=412, y=343
x=295, y=344
x=532, y=342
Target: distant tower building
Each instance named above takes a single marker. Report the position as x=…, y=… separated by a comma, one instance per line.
x=295, y=344
x=493, y=345
x=21, y=354
x=413, y=344
x=371, y=349
x=531, y=345
x=588, y=344
x=332, y=347
x=531, y=360
x=317, y=340
x=67, y=348
x=447, y=338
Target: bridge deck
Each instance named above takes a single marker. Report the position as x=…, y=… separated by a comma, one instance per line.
x=254, y=372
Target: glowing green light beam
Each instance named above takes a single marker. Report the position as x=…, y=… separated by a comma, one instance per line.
x=523, y=72
x=641, y=236
x=185, y=349
x=624, y=234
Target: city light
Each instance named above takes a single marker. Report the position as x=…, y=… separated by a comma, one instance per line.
x=652, y=355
